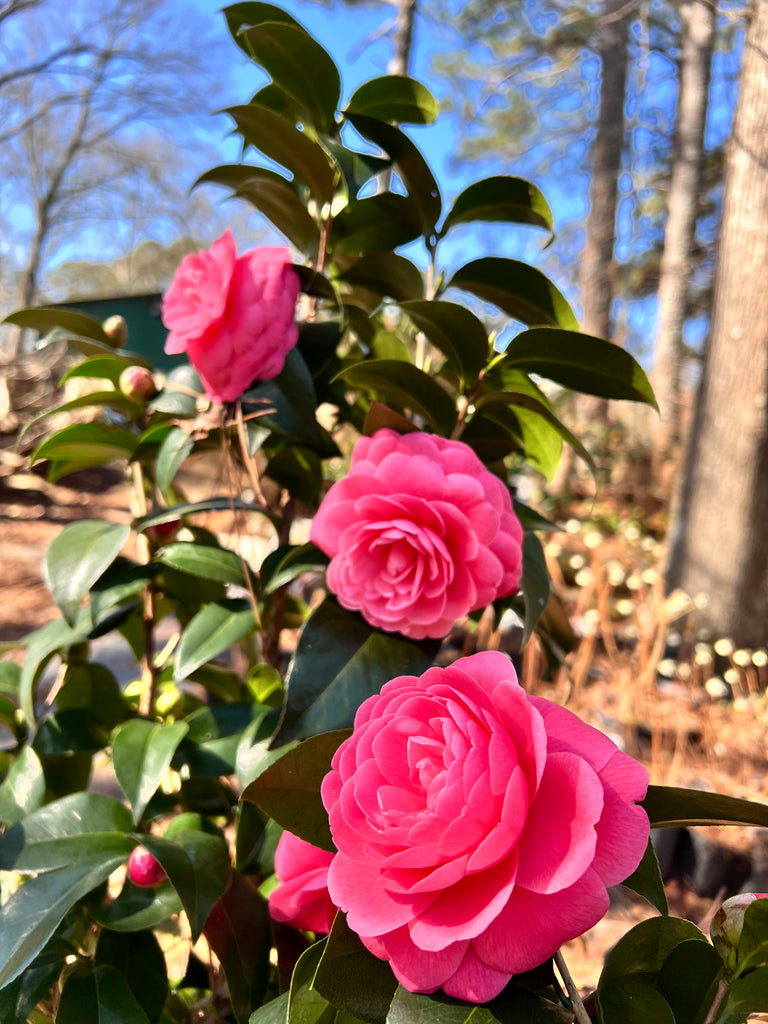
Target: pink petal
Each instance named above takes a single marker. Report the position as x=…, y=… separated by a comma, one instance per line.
x=474, y=980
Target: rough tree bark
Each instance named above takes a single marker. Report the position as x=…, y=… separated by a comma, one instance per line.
x=719, y=544
x=697, y=34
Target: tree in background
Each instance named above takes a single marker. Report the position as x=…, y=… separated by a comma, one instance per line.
x=720, y=539
x=89, y=104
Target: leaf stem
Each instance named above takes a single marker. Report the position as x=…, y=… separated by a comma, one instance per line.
x=717, y=1002
x=579, y=1009
x=148, y=673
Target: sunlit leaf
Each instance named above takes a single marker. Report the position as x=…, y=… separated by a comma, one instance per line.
x=521, y=291
x=171, y=456
x=213, y=630
x=394, y=98
x=77, y=557
x=45, y=318
x=288, y=562
x=646, y=880
x=23, y=788
x=351, y=977
x=141, y=754
x=501, y=198
x=670, y=805
x=87, y=444
x=207, y=561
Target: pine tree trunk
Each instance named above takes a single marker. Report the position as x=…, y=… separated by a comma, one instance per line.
x=697, y=32
x=720, y=539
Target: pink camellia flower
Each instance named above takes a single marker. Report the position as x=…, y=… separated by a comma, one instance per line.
x=419, y=533
x=233, y=315
x=302, y=897
x=477, y=827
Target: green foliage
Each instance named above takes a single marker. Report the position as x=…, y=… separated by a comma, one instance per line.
x=216, y=743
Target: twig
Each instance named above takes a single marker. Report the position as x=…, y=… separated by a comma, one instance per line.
x=578, y=1006
x=148, y=674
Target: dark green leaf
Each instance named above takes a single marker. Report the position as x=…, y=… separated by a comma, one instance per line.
x=204, y=560
x=316, y=284
x=580, y=362
x=18, y=999
x=644, y=948
x=356, y=168
x=282, y=142
x=388, y=345
x=456, y=331
x=384, y=221
x=686, y=976
x=70, y=731
x=141, y=754
x=340, y=661
x=747, y=995
x=632, y=1002
x=198, y=867
x=32, y=914
x=217, y=504
x=242, y=16
x=288, y=562
x=501, y=198
x=386, y=274
x=136, y=909
x=170, y=457
x=406, y=385
x=52, y=638
x=213, y=630
x=140, y=961
x=122, y=580
x=238, y=932
x=669, y=805
x=274, y=98
x=92, y=687
x=534, y=583
x=530, y=519
x=306, y=1006
x=522, y=292
x=77, y=557
x=352, y=978
x=516, y=1005
x=646, y=880
x=379, y=416
x=299, y=66
x=288, y=790
x=45, y=318
x=87, y=444
x=299, y=471
x=409, y=164
x=753, y=944
x=272, y=195
x=23, y=788
x=273, y=1012
x=394, y=98
x=99, y=995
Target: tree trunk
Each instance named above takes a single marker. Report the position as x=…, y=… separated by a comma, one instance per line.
x=697, y=33
x=401, y=58
x=720, y=539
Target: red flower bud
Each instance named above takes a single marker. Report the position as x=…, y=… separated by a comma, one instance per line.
x=137, y=383
x=144, y=869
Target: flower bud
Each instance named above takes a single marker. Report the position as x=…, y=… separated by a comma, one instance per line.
x=144, y=869
x=138, y=384
x=728, y=923
x=163, y=533
x=116, y=330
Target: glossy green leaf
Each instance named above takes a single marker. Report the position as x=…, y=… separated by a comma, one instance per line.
x=23, y=788
x=140, y=962
x=242, y=16
x=746, y=995
x=632, y=1002
x=274, y=196
x=99, y=995
x=501, y=198
x=77, y=814
x=351, y=977
x=274, y=98
x=670, y=805
x=307, y=1006
x=394, y=98
x=204, y=560
x=273, y=1012
x=516, y=1005
x=522, y=292
x=644, y=948
x=388, y=345
x=686, y=977
x=238, y=932
x=340, y=661
x=19, y=853
x=213, y=630
x=136, y=909
x=87, y=444
x=170, y=457
x=406, y=385
x=191, y=508
x=77, y=557
x=299, y=66
x=45, y=318
x=457, y=332
x=105, y=399
x=288, y=790
x=383, y=221
x=534, y=583
x=542, y=443
x=197, y=864
x=107, y=367
x=141, y=754
x=379, y=416
x=282, y=142
x=10, y=677
x=580, y=362
x=289, y=561
x=18, y=1000
x=753, y=944
x=178, y=397
x=356, y=168
x=123, y=580
x=32, y=914
x=50, y=639
x=386, y=274
x=646, y=880
x=409, y=164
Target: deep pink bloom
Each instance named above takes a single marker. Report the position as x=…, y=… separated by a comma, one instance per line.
x=144, y=869
x=419, y=533
x=233, y=315
x=302, y=897
x=477, y=827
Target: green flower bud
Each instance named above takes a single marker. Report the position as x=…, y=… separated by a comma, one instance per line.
x=116, y=330
x=728, y=923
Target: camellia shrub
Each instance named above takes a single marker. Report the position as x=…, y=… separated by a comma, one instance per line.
x=348, y=821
